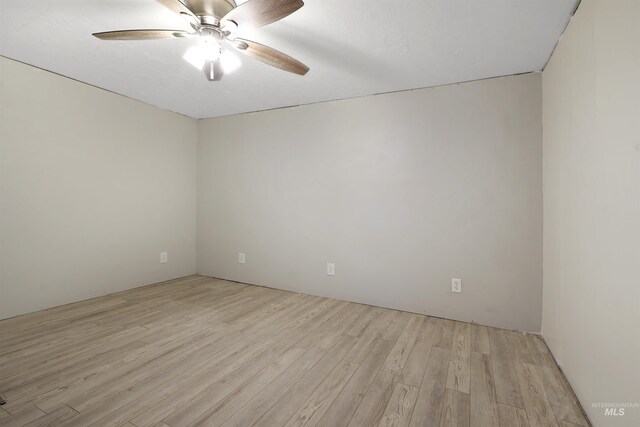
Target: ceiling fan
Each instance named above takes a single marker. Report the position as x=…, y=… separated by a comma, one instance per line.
x=214, y=24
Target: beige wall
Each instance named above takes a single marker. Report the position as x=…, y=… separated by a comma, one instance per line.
x=591, y=320
x=94, y=186
x=402, y=191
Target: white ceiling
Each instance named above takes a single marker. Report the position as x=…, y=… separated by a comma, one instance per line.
x=353, y=47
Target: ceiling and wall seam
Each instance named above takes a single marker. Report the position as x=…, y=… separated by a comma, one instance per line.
x=276, y=108
x=94, y=86
x=561, y=35
x=366, y=49
x=372, y=95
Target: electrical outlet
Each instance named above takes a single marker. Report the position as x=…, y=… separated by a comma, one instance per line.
x=241, y=258
x=456, y=285
x=331, y=269
x=164, y=257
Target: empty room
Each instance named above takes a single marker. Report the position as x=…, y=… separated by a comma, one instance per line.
x=322, y=213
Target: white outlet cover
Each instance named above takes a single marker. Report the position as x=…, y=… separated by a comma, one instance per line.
x=241, y=258
x=164, y=257
x=456, y=285
x=331, y=269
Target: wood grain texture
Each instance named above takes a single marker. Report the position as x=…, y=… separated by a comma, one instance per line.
x=369, y=412
x=273, y=57
x=23, y=417
x=314, y=407
x=139, y=34
x=505, y=358
x=257, y=13
x=458, y=375
x=350, y=397
x=483, y=405
x=432, y=390
x=512, y=417
x=413, y=370
x=204, y=351
x=54, y=418
x=176, y=6
x=480, y=339
x=400, y=406
x=455, y=409
x=539, y=412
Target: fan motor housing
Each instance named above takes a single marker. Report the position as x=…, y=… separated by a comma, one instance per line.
x=216, y=8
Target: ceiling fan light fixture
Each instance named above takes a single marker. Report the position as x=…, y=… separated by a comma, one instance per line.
x=210, y=47
x=210, y=53
x=230, y=62
x=193, y=22
x=229, y=27
x=216, y=21
x=195, y=57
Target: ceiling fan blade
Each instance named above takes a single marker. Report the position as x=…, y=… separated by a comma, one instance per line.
x=271, y=56
x=256, y=13
x=140, y=34
x=176, y=6
x=213, y=70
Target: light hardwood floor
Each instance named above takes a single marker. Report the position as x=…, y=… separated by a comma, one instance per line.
x=203, y=351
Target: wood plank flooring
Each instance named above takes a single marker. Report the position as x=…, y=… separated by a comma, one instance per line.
x=208, y=352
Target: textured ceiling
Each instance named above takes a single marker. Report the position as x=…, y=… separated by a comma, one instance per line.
x=354, y=48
